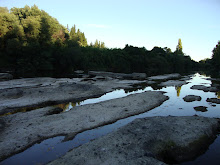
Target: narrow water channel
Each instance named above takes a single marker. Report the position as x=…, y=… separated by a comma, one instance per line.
x=52, y=148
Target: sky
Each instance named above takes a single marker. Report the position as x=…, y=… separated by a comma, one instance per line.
x=142, y=23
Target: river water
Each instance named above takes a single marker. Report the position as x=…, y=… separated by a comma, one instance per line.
x=52, y=148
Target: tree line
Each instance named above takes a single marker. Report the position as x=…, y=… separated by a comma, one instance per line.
x=34, y=44
x=212, y=66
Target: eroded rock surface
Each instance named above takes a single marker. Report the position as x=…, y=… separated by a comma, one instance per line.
x=5, y=76
x=118, y=75
x=153, y=140
x=201, y=108
x=173, y=83
x=213, y=100
x=191, y=98
x=165, y=77
x=25, y=129
x=33, y=92
x=205, y=88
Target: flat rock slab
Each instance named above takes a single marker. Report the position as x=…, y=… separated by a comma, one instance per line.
x=24, y=129
x=213, y=100
x=151, y=140
x=165, y=77
x=35, y=92
x=201, y=108
x=173, y=83
x=5, y=76
x=205, y=88
x=191, y=98
x=32, y=96
x=118, y=75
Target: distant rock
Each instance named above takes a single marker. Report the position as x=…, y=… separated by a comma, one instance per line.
x=79, y=71
x=5, y=76
x=165, y=77
x=191, y=98
x=213, y=100
x=118, y=75
x=205, y=88
x=201, y=108
x=173, y=83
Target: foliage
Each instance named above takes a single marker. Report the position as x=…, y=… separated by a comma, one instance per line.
x=179, y=47
x=212, y=66
x=34, y=44
x=216, y=57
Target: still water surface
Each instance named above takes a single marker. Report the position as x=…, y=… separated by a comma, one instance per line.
x=53, y=148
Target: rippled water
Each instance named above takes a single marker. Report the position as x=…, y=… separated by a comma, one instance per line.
x=52, y=148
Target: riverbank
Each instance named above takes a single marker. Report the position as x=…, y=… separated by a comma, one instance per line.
x=34, y=126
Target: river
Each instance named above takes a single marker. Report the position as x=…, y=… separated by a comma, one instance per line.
x=52, y=148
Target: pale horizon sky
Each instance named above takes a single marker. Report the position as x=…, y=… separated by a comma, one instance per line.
x=142, y=23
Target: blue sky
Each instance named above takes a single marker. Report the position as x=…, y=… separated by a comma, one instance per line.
x=139, y=23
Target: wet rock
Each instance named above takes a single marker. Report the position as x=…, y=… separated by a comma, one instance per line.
x=79, y=71
x=50, y=94
x=24, y=128
x=191, y=98
x=139, y=75
x=205, y=88
x=151, y=140
x=165, y=77
x=55, y=110
x=173, y=83
x=201, y=108
x=5, y=76
x=213, y=100
x=35, y=92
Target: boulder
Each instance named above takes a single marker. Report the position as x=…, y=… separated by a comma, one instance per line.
x=213, y=100
x=165, y=77
x=205, y=88
x=201, y=108
x=191, y=98
x=5, y=76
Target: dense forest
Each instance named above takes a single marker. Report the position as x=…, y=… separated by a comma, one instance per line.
x=212, y=66
x=34, y=44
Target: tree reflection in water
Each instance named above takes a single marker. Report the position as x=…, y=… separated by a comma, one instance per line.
x=178, y=89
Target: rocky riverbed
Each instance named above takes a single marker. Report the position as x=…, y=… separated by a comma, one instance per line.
x=21, y=129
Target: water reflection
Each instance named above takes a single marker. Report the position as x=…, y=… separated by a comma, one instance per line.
x=178, y=89
x=218, y=94
x=175, y=106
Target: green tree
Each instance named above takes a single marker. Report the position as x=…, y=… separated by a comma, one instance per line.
x=4, y=10
x=179, y=47
x=96, y=45
x=102, y=45
x=73, y=33
x=216, y=57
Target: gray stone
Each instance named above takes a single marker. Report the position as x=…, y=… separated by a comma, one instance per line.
x=191, y=98
x=5, y=76
x=213, y=100
x=165, y=77
x=205, y=88
x=173, y=83
x=151, y=140
x=139, y=75
x=118, y=75
x=23, y=129
x=201, y=108
x=34, y=92
x=79, y=71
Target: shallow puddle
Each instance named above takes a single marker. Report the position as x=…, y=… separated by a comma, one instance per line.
x=53, y=148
